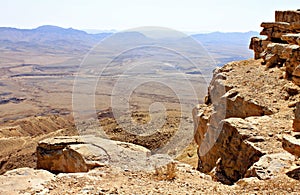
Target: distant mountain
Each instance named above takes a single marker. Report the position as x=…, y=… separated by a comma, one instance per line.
x=48, y=34
x=224, y=47
x=95, y=31
x=227, y=47
x=225, y=38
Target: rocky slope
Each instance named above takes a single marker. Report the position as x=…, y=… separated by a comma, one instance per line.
x=245, y=128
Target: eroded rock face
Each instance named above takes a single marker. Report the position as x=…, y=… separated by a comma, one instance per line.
x=239, y=128
x=282, y=45
x=231, y=155
x=225, y=139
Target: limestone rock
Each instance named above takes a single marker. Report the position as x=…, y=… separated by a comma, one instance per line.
x=201, y=115
x=283, y=43
x=14, y=181
x=237, y=106
x=82, y=153
x=231, y=150
x=258, y=46
x=287, y=16
x=270, y=165
x=291, y=38
x=291, y=144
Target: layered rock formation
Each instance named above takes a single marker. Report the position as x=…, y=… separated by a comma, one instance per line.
x=246, y=128
x=282, y=45
x=240, y=127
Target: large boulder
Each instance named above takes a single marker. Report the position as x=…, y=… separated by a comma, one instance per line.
x=82, y=153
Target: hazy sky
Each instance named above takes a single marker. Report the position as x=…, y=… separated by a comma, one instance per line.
x=182, y=15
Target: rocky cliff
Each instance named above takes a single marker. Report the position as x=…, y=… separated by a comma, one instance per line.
x=249, y=122
x=282, y=45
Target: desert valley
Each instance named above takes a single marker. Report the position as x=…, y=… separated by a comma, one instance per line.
x=150, y=111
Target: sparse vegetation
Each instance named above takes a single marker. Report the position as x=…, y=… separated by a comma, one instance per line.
x=166, y=172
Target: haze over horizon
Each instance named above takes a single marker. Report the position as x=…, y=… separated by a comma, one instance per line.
x=188, y=16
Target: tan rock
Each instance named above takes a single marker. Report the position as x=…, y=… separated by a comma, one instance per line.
x=270, y=165
x=258, y=46
x=291, y=38
x=291, y=144
x=297, y=111
x=201, y=116
x=296, y=71
x=230, y=149
x=296, y=121
x=296, y=125
x=291, y=89
x=287, y=16
x=237, y=106
x=296, y=80
x=281, y=25
x=283, y=48
x=82, y=153
x=17, y=180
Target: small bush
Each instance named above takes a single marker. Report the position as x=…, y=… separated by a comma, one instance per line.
x=167, y=172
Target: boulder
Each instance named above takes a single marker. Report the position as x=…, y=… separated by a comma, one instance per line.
x=291, y=144
x=17, y=180
x=270, y=165
x=82, y=153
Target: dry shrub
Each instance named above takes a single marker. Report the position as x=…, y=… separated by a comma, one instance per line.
x=166, y=172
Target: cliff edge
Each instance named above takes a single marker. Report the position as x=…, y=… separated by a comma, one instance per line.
x=248, y=126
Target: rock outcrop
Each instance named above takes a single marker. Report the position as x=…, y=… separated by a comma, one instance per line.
x=221, y=131
x=244, y=128
x=239, y=129
x=82, y=153
x=282, y=45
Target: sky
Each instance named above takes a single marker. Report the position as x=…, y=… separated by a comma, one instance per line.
x=180, y=15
